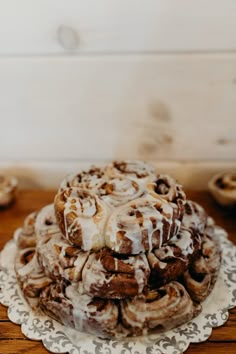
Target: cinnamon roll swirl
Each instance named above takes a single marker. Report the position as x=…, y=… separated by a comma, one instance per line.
x=46, y=222
x=132, y=169
x=61, y=260
x=89, y=180
x=66, y=304
x=111, y=276
x=201, y=276
x=120, y=190
x=81, y=217
x=167, y=188
x=161, y=309
x=141, y=225
x=171, y=260
x=30, y=276
x=194, y=217
x=25, y=237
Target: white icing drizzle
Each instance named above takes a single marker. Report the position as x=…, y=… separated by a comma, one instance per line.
x=184, y=241
x=53, y=258
x=90, y=216
x=84, y=311
x=136, y=217
x=196, y=219
x=139, y=314
x=95, y=276
x=120, y=190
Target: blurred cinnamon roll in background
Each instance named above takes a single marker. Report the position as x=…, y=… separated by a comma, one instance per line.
x=8, y=189
x=223, y=188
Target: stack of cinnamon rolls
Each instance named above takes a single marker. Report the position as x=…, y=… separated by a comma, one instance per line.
x=121, y=252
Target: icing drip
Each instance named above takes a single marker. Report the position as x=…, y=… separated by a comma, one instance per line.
x=85, y=216
x=141, y=222
x=184, y=241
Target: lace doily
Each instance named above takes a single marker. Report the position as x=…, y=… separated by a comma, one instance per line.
x=58, y=339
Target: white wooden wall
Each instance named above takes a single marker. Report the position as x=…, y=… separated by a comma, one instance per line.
x=96, y=80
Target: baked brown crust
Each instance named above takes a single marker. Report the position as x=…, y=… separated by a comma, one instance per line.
x=60, y=259
x=81, y=217
x=30, y=276
x=167, y=188
x=68, y=305
x=141, y=225
x=201, y=276
x=158, y=310
x=194, y=217
x=109, y=275
x=170, y=261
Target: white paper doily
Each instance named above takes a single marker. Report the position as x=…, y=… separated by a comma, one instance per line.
x=57, y=339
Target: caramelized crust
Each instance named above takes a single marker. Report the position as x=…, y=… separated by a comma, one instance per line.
x=109, y=275
x=68, y=305
x=170, y=261
x=160, y=309
x=167, y=188
x=201, y=276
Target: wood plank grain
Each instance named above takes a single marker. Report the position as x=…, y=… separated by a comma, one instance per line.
x=216, y=348
x=227, y=332
x=3, y=313
x=21, y=346
x=142, y=107
x=10, y=330
x=11, y=339
x=116, y=27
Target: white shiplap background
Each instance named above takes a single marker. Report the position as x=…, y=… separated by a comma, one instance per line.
x=92, y=80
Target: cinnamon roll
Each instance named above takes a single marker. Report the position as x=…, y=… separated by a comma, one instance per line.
x=159, y=310
x=25, y=237
x=167, y=188
x=8, y=189
x=141, y=225
x=46, y=224
x=81, y=217
x=223, y=188
x=119, y=253
x=30, y=276
x=132, y=169
x=171, y=260
x=109, y=275
x=120, y=190
x=201, y=276
x=89, y=180
x=194, y=217
x=68, y=305
x=61, y=260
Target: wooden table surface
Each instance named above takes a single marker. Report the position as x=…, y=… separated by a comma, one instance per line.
x=222, y=340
